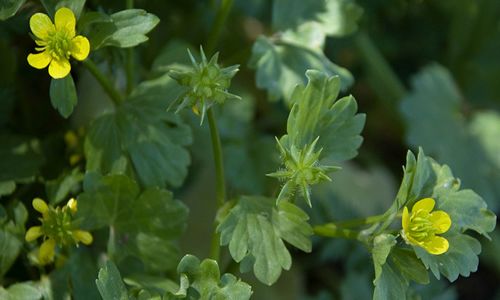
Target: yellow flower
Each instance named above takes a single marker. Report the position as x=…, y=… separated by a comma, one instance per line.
x=40, y=206
x=421, y=226
x=58, y=229
x=47, y=251
x=57, y=42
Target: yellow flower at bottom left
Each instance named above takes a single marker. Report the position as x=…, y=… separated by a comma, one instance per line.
x=57, y=229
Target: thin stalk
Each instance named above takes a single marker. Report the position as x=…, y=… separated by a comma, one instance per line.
x=111, y=247
x=360, y=222
x=129, y=59
x=220, y=19
x=103, y=81
x=331, y=230
x=393, y=89
x=220, y=183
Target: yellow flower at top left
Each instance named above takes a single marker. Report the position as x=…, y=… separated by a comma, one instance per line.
x=57, y=42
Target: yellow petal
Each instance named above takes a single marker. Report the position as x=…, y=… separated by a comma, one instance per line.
x=436, y=245
x=405, y=222
x=40, y=206
x=59, y=68
x=440, y=220
x=80, y=47
x=65, y=19
x=39, y=60
x=41, y=25
x=33, y=233
x=47, y=251
x=73, y=205
x=83, y=236
x=426, y=204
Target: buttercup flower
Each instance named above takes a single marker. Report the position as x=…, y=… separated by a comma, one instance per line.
x=57, y=42
x=57, y=228
x=421, y=226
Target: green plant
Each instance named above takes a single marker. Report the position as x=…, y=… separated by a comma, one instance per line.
x=117, y=138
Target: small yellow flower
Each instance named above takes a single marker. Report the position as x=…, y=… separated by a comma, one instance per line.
x=82, y=236
x=47, y=251
x=57, y=43
x=421, y=226
x=73, y=205
x=33, y=233
x=58, y=229
x=40, y=206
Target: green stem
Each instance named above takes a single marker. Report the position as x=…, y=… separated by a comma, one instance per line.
x=111, y=247
x=220, y=19
x=129, y=59
x=331, y=230
x=360, y=222
x=392, y=88
x=220, y=184
x=103, y=81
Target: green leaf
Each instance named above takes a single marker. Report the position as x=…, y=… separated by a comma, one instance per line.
x=20, y=291
x=128, y=28
x=332, y=17
x=20, y=159
x=460, y=259
x=281, y=65
x=142, y=138
x=204, y=278
x=435, y=99
x=53, y=5
x=394, y=268
x=256, y=228
x=11, y=246
x=11, y=234
x=8, y=8
x=110, y=284
x=317, y=113
x=409, y=265
x=466, y=208
x=390, y=285
x=63, y=95
x=147, y=224
x=58, y=189
x=382, y=245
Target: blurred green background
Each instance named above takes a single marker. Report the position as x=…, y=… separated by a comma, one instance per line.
x=426, y=73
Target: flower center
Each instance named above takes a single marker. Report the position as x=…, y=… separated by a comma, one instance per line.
x=421, y=228
x=59, y=44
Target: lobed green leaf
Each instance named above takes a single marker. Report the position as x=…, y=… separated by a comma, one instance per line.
x=255, y=230
x=110, y=283
x=202, y=280
x=147, y=224
x=142, y=138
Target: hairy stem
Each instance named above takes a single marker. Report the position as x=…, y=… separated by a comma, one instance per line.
x=103, y=81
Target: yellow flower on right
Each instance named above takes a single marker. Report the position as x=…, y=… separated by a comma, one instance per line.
x=421, y=226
